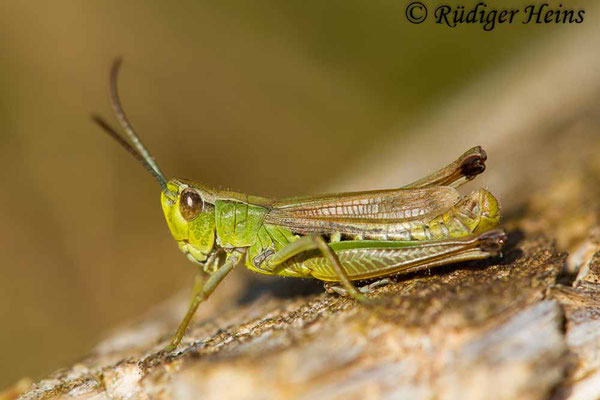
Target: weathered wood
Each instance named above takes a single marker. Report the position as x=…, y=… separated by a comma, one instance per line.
x=458, y=332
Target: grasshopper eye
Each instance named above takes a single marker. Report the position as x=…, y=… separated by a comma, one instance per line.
x=190, y=204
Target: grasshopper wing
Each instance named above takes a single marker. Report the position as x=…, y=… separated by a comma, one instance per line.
x=348, y=212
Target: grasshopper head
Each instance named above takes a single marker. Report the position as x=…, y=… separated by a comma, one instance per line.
x=190, y=218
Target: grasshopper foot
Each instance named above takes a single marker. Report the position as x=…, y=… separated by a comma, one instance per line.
x=331, y=287
x=169, y=348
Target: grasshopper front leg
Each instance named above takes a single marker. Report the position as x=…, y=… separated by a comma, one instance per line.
x=202, y=291
x=316, y=242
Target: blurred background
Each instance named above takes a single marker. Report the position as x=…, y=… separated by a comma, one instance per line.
x=277, y=98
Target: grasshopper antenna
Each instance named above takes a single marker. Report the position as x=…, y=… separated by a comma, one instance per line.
x=136, y=148
x=113, y=133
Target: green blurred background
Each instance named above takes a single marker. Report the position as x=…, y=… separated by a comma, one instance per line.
x=268, y=97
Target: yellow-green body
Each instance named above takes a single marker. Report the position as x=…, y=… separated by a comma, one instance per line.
x=234, y=220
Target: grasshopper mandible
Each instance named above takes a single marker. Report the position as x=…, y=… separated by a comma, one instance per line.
x=341, y=238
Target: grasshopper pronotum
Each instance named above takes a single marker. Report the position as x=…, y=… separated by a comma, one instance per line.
x=342, y=237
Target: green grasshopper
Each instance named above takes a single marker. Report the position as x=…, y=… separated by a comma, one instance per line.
x=338, y=238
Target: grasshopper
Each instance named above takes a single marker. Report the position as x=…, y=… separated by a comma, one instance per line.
x=337, y=238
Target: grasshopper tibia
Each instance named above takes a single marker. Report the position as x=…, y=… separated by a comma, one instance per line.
x=492, y=241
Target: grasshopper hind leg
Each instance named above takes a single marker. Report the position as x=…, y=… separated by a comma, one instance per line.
x=470, y=164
